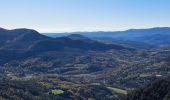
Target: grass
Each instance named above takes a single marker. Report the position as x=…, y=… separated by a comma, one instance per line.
x=57, y=91
x=117, y=90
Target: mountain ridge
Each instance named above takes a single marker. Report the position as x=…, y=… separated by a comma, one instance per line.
x=20, y=43
x=136, y=35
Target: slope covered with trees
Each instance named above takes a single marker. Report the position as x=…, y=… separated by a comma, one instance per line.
x=158, y=90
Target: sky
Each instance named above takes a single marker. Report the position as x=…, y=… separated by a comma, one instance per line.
x=84, y=15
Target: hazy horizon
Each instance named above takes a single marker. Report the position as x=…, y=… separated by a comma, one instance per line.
x=56, y=16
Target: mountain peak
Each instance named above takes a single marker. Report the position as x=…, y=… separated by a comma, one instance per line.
x=80, y=37
x=24, y=31
x=19, y=38
x=17, y=31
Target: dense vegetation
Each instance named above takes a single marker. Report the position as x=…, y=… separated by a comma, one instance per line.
x=37, y=67
x=52, y=88
x=158, y=90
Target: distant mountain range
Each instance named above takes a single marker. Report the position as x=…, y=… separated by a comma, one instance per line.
x=26, y=42
x=155, y=36
x=25, y=39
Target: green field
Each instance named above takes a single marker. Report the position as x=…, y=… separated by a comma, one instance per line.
x=57, y=91
x=117, y=90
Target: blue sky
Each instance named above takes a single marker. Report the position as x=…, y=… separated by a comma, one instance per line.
x=84, y=15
